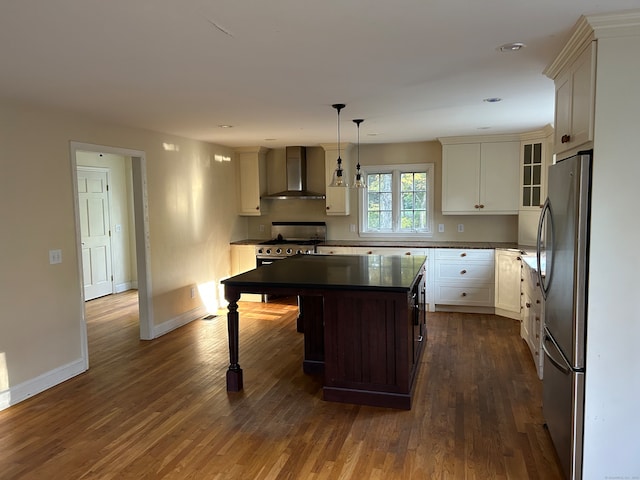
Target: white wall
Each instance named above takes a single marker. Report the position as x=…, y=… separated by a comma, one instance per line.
x=483, y=228
x=192, y=218
x=612, y=423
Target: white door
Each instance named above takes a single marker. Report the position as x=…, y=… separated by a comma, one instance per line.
x=94, y=232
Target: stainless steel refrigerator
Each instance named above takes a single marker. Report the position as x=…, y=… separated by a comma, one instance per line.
x=563, y=237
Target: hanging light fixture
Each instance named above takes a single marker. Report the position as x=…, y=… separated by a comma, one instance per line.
x=358, y=179
x=338, y=179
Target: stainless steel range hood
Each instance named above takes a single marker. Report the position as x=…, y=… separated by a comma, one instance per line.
x=296, y=161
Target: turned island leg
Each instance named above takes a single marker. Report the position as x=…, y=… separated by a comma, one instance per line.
x=234, y=374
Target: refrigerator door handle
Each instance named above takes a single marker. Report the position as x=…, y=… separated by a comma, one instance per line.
x=563, y=368
x=544, y=285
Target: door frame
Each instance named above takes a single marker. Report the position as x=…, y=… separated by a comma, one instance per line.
x=141, y=222
x=107, y=171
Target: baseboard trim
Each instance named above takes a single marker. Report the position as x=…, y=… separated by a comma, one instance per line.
x=179, y=321
x=123, y=287
x=41, y=383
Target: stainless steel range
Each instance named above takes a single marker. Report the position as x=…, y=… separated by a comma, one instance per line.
x=290, y=238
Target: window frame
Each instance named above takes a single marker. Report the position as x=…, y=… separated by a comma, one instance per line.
x=396, y=170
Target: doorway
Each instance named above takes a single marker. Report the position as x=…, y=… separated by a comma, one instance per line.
x=136, y=164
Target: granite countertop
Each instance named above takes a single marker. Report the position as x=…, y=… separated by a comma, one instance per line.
x=404, y=243
x=334, y=272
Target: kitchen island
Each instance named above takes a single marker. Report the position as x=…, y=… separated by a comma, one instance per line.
x=363, y=317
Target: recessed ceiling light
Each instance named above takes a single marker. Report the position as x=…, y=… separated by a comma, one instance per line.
x=225, y=126
x=492, y=100
x=511, y=47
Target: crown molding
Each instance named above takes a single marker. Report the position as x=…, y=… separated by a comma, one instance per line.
x=589, y=28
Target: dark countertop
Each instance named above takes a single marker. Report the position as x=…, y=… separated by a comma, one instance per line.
x=334, y=272
x=408, y=244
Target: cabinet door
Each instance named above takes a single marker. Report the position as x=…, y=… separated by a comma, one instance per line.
x=337, y=198
x=508, y=279
x=460, y=178
x=252, y=174
x=243, y=259
x=499, y=177
x=575, y=94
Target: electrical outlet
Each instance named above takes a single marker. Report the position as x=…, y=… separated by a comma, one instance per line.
x=460, y=227
x=352, y=228
x=193, y=292
x=261, y=228
x=441, y=228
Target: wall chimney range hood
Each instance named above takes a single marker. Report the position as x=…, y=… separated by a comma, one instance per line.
x=296, y=162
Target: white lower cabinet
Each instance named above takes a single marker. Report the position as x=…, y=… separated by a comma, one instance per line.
x=508, y=271
x=243, y=259
x=532, y=326
x=463, y=278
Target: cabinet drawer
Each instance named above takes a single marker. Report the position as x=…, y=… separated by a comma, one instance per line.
x=470, y=255
x=466, y=272
x=461, y=295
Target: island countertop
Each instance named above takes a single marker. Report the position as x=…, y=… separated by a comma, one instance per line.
x=363, y=319
x=333, y=272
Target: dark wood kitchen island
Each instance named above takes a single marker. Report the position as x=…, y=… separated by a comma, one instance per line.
x=363, y=317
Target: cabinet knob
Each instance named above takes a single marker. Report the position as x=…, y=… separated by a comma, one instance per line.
x=481, y=206
x=369, y=252
x=518, y=258
x=464, y=294
x=407, y=253
x=476, y=206
x=328, y=207
x=565, y=138
x=258, y=207
x=528, y=305
x=462, y=272
x=463, y=254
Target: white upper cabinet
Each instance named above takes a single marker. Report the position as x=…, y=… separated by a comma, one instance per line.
x=575, y=93
x=535, y=153
x=480, y=177
x=252, y=172
x=337, y=198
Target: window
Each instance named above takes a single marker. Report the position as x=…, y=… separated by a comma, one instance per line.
x=398, y=200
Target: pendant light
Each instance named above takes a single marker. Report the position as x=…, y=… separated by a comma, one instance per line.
x=358, y=179
x=338, y=179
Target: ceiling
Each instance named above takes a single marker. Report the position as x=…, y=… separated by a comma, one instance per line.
x=413, y=69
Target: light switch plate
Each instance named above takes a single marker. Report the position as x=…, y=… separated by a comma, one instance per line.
x=460, y=227
x=441, y=228
x=55, y=256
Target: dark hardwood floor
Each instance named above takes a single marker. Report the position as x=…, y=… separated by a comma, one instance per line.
x=159, y=409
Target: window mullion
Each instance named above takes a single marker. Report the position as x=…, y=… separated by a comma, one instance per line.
x=397, y=200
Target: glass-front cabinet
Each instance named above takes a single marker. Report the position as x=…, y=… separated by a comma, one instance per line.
x=532, y=164
x=535, y=156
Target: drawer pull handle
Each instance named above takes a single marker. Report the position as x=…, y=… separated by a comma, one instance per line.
x=565, y=139
x=407, y=253
x=370, y=252
x=462, y=272
x=528, y=305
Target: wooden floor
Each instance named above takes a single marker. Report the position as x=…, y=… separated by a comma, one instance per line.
x=159, y=409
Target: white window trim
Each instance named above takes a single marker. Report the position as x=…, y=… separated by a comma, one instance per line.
x=429, y=168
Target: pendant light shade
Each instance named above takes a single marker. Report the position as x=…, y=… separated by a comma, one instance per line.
x=338, y=179
x=358, y=179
